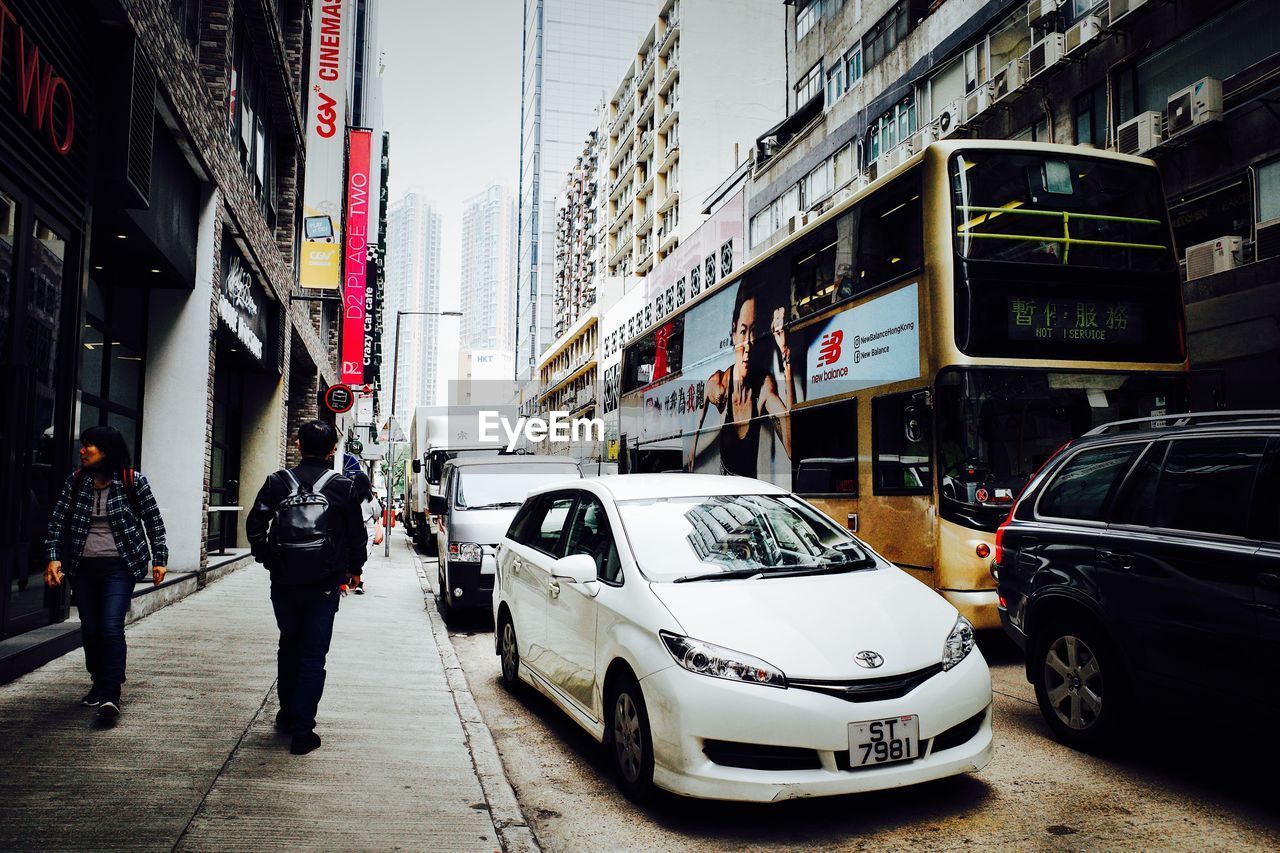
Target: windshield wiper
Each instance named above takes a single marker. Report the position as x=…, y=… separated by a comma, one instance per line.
x=722, y=576
x=820, y=568
x=498, y=505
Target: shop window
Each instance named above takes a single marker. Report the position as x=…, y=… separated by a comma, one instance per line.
x=656, y=356
x=824, y=440
x=112, y=352
x=8, y=239
x=902, y=463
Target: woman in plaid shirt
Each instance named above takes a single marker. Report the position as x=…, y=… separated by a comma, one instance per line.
x=100, y=529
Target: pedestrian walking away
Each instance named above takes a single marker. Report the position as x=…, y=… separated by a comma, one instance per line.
x=371, y=515
x=103, y=533
x=305, y=527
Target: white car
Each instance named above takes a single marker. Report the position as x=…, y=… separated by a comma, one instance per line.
x=729, y=641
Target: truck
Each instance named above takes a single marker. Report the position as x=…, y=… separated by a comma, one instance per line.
x=429, y=448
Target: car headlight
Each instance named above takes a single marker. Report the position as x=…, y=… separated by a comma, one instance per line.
x=719, y=662
x=959, y=643
x=464, y=552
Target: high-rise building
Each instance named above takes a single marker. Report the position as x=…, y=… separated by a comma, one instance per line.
x=571, y=49
x=413, y=284
x=705, y=80
x=488, y=271
x=580, y=214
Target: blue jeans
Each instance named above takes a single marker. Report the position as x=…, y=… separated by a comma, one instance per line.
x=305, y=617
x=103, y=588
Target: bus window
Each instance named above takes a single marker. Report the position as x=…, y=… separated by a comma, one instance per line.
x=813, y=273
x=900, y=436
x=890, y=239
x=824, y=441
x=657, y=355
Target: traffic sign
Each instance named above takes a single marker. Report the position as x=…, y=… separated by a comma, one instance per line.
x=339, y=399
x=355, y=446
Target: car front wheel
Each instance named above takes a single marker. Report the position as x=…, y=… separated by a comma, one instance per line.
x=1079, y=685
x=447, y=610
x=632, y=744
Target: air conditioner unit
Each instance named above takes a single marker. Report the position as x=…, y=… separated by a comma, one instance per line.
x=894, y=157
x=1140, y=134
x=1007, y=81
x=1213, y=257
x=1082, y=33
x=1267, y=240
x=924, y=137
x=1199, y=102
x=1041, y=11
x=977, y=102
x=1044, y=54
x=796, y=222
x=1118, y=10
x=949, y=118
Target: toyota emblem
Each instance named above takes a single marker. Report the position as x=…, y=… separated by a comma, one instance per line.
x=871, y=660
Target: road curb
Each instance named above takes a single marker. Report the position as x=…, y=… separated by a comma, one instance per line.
x=504, y=809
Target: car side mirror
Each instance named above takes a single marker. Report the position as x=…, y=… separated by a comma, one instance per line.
x=438, y=505
x=579, y=568
x=417, y=466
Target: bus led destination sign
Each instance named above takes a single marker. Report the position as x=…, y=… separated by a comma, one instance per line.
x=1074, y=320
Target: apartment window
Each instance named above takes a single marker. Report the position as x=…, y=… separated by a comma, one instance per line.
x=975, y=67
x=893, y=128
x=842, y=166
x=853, y=64
x=250, y=126
x=882, y=38
x=186, y=14
x=809, y=86
x=807, y=15
x=1037, y=131
x=837, y=84
x=816, y=185
x=1091, y=117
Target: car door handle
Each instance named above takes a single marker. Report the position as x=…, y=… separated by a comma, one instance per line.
x=1121, y=562
x=554, y=588
x=515, y=567
x=1269, y=580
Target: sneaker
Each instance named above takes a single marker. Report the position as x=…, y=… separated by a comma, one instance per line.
x=93, y=698
x=302, y=744
x=109, y=709
x=359, y=590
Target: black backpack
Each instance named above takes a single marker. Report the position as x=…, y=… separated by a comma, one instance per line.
x=303, y=546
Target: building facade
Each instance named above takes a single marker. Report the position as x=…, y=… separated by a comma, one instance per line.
x=1188, y=84
x=579, y=257
x=148, y=237
x=704, y=81
x=488, y=272
x=570, y=47
x=413, y=284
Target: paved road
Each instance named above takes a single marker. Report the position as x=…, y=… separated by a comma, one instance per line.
x=1035, y=794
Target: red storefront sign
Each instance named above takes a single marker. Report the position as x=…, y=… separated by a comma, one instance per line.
x=42, y=96
x=355, y=255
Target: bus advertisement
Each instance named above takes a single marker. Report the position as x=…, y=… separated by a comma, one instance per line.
x=907, y=361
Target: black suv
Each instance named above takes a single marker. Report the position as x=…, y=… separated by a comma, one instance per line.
x=1142, y=563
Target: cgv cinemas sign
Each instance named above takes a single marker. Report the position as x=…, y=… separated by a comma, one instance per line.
x=40, y=94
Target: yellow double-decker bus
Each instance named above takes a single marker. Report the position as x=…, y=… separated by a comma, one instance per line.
x=909, y=359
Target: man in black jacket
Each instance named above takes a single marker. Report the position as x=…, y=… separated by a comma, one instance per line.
x=305, y=611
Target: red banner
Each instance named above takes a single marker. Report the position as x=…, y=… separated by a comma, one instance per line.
x=355, y=255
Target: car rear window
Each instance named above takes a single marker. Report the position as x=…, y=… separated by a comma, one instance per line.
x=1083, y=489
x=1206, y=485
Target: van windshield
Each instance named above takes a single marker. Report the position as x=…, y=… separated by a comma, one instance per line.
x=507, y=485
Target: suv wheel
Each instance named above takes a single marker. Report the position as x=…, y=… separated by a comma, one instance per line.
x=1078, y=684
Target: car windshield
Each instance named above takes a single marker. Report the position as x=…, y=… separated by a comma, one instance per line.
x=498, y=486
x=722, y=536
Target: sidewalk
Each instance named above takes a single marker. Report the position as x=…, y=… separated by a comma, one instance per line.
x=195, y=763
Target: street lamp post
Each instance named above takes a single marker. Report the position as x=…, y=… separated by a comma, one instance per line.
x=391, y=433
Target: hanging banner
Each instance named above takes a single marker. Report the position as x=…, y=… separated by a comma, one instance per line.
x=321, y=236
x=355, y=255
x=376, y=281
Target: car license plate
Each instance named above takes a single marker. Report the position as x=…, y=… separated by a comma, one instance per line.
x=884, y=741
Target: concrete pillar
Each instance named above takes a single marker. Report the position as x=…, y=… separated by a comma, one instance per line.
x=179, y=387
x=261, y=442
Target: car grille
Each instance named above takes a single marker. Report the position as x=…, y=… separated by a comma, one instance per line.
x=759, y=756
x=960, y=734
x=870, y=689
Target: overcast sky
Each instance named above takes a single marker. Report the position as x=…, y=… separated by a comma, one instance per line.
x=451, y=90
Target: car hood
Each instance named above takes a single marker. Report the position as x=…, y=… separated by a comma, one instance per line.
x=484, y=526
x=811, y=627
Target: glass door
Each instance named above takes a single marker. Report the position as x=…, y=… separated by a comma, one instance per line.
x=224, y=470
x=34, y=261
